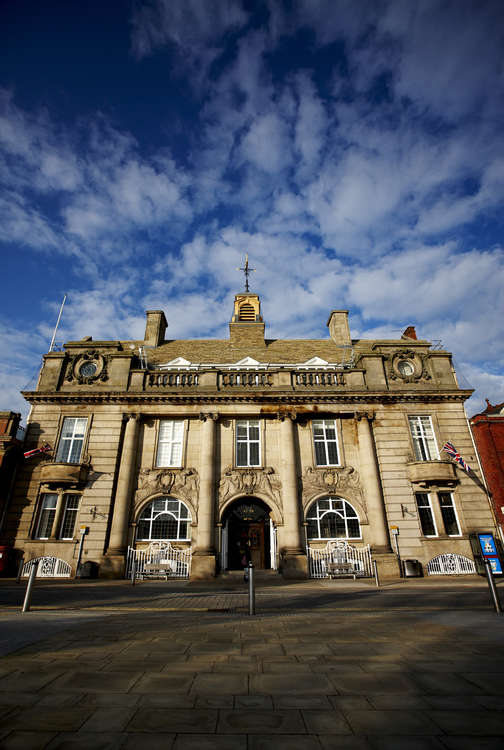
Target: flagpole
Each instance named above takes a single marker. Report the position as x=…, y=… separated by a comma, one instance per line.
x=51, y=346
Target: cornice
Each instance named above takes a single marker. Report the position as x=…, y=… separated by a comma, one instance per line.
x=112, y=397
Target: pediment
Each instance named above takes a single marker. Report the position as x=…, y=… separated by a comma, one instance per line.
x=247, y=362
x=177, y=362
x=315, y=362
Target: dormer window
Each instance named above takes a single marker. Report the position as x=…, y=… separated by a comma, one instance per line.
x=247, y=312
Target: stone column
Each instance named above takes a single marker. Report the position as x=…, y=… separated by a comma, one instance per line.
x=371, y=484
x=294, y=560
x=122, y=504
x=204, y=558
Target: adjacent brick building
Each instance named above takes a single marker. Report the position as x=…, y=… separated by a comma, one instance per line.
x=248, y=448
x=488, y=431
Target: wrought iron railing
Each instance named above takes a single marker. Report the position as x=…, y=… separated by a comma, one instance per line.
x=178, y=561
x=48, y=567
x=339, y=552
x=450, y=564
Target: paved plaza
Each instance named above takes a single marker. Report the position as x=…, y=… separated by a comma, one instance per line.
x=102, y=665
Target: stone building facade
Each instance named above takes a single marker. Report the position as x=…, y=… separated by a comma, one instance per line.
x=488, y=431
x=246, y=447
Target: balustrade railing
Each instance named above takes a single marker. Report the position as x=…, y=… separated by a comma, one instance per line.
x=173, y=379
x=246, y=379
x=310, y=379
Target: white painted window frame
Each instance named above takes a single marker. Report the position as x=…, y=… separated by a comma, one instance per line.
x=67, y=510
x=446, y=492
x=333, y=425
x=421, y=440
x=175, y=515
x=171, y=442
x=433, y=515
x=314, y=513
x=42, y=510
x=66, y=444
x=248, y=423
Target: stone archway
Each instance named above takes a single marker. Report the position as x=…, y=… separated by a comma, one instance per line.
x=248, y=535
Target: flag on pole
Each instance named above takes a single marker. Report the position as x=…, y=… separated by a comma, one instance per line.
x=453, y=452
x=43, y=449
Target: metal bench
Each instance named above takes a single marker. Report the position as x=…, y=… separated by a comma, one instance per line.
x=343, y=570
x=163, y=569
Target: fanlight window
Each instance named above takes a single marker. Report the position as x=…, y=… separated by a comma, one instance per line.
x=332, y=518
x=247, y=312
x=165, y=518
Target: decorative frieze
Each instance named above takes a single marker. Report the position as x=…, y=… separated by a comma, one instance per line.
x=329, y=479
x=182, y=483
x=248, y=482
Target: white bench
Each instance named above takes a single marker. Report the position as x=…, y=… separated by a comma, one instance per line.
x=162, y=569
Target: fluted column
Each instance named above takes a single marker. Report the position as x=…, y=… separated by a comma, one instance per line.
x=120, y=520
x=371, y=484
x=205, y=539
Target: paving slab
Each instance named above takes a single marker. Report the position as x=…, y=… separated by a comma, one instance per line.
x=322, y=665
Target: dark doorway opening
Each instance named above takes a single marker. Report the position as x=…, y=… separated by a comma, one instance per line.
x=248, y=533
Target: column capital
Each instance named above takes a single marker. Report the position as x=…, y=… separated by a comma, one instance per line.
x=360, y=415
x=204, y=415
x=132, y=417
x=283, y=415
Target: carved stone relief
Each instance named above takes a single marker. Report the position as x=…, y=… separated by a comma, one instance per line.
x=88, y=367
x=330, y=480
x=416, y=362
x=249, y=481
x=183, y=483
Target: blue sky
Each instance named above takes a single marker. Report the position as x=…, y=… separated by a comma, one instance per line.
x=354, y=149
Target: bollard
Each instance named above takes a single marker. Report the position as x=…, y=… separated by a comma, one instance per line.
x=133, y=571
x=20, y=571
x=491, y=585
x=375, y=568
x=31, y=580
x=251, y=584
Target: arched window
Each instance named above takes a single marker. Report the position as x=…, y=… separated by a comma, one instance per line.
x=332, y=518
x=165, y=518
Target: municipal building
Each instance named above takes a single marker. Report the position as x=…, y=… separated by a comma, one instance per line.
x=210, y=453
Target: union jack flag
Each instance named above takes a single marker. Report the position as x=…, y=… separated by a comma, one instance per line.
x=36, y=451
x=453, y=452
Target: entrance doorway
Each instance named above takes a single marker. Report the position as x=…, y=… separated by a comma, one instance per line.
x=248, y=535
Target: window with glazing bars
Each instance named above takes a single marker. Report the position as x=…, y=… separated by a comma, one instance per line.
x=425, y=514
x=326, y=442
x=165, y=518
x=71, y=440
x=449, y=514
x=46, y=516
x=171, y=435
x=71, y=506
x=248, y=444
x=424, y=441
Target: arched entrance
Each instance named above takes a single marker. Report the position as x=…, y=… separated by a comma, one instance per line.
x=248, y=534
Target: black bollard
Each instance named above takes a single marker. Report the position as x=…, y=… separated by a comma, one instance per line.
x=251, y=584
x=133, y=571
x=375, y=568
x=491, y=585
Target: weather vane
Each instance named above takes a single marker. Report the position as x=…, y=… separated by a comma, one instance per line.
x=246, y=270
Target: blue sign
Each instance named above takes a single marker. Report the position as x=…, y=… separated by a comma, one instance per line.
x=487, y=544
x=489, y=551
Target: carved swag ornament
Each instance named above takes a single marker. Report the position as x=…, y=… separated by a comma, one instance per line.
x=329, y=480
x=417, y=360
x=249, y=481
x=183, y=484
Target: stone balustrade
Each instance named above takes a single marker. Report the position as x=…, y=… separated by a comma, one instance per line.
x=240, y=380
